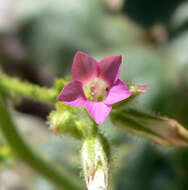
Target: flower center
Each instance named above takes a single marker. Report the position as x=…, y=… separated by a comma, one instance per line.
x=96, y=90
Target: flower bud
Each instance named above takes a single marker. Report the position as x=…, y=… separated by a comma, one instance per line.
x=164, y=131
x=65, y=121
x=95, y=163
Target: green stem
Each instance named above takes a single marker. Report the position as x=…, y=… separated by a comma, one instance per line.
x=28, y=90
x=63, y=179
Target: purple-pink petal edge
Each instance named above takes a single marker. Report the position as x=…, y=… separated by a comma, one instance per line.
x=84, y=69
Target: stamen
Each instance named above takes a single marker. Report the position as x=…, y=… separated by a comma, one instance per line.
x=96, y=90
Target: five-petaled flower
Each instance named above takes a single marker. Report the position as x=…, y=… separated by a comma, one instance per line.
x=95, y=86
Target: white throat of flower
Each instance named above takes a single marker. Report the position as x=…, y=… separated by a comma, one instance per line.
x=96, y=90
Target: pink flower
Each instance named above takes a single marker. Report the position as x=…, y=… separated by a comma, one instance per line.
x=95, y=86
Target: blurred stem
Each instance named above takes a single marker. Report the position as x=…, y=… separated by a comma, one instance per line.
x=63, y=179
x=28, y=90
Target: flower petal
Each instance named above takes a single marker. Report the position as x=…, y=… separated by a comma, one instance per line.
x=84, y=67
x=117, y=93
x=73, y=95
x=110, y=69
x=98, y=111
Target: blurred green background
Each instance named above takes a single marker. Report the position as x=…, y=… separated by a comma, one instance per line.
x=38, y=40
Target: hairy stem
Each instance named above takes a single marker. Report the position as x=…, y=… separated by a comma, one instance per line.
x=63, y=179
x=28, y=90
